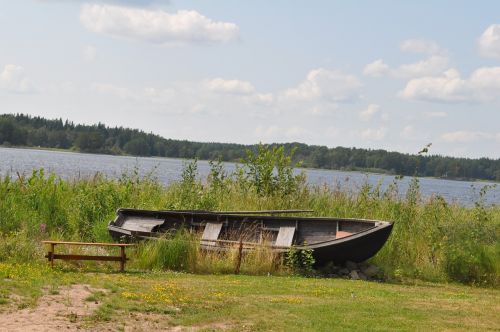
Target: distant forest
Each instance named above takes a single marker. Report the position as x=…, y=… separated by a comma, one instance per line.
x=29, y=131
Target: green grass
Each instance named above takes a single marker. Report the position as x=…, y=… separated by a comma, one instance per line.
x=435, y=259
x=432, y=240
x=263, y=303
x=182, y=252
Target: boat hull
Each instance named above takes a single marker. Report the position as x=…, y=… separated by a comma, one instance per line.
x=334, y=240
x=356, y=248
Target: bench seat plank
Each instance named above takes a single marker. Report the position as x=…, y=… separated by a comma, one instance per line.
x=90, y=243
x=86, y=257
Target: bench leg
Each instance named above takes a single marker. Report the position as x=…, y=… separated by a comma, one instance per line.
x=124, y=258
x=52, y=252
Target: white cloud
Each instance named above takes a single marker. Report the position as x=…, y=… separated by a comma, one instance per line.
x=263, y=98
x=213, y=97
x=376, y=69
x=374, y=134
x=464, y=136
x=483, y=85
x=328, y=85
x=221, y=85
x=89, y=53
x=489, y=42
x=420, y=46
x=435, y=64
x=148, y=94
x=123, y=2
x=14, y=79
x=485, y=82
x=369, y=112
x=156, y=26
x=449, y=88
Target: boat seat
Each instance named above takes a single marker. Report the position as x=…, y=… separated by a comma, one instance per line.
x=285, y=236
x=341, y=234
x=211, y=233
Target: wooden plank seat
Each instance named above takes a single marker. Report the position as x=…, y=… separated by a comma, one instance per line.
x=211, y=233
x=51, y=255
x=285, y=236
x=341, y=234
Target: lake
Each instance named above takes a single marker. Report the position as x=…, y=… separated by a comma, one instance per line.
x=72, y=165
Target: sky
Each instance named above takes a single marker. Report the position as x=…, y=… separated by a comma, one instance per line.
x=391, y=75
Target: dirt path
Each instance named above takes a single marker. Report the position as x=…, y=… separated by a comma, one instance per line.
x=65, y=310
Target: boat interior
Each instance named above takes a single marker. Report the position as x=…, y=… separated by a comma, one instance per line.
x=219, y=228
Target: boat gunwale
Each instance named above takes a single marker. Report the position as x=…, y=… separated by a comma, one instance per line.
x=271, y=217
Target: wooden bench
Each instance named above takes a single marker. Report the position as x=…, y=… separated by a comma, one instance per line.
x=51, y=255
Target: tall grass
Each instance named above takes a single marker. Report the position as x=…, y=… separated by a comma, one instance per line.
x=431, y=240
x=182, y=252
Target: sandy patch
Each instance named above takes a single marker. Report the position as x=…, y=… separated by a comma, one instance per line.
x=67, y=310
x=63, y=311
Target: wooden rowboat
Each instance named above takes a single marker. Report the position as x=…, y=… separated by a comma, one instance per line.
x=331, y=239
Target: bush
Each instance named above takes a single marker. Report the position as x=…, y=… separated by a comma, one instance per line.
x=474, y=263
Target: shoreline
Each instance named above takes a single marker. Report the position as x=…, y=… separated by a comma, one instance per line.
x=366, y=171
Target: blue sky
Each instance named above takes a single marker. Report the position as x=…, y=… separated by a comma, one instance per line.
x=375, y=74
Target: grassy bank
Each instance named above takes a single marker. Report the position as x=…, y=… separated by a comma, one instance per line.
x=432, y=240
x=161, y=300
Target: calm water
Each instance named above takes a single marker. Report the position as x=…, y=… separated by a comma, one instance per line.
x=74, y=165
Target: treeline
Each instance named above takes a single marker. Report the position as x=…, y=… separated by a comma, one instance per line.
x=26, y=130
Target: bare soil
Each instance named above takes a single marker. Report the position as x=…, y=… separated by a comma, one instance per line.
x=65, y=310
x=68, y=309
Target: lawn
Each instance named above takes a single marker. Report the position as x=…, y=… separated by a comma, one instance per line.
x=135, y=300
x=443, y=259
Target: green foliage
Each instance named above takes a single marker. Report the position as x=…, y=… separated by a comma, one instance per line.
x=175, y=253
x=217, y=176
x=431, y=239
x=138, y=147
x=19, y=246
x=472, y=252
x=300, y=261
x=270, y=171
x=474, y=263
x=181, y=252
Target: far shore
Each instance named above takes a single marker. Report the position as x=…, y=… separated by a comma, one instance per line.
x=357, y=170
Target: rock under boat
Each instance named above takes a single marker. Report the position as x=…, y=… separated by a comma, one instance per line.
x=332, y=239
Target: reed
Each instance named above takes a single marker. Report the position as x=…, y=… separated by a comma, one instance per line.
x=432, y=239
x=182, y=252
x=178, y=252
